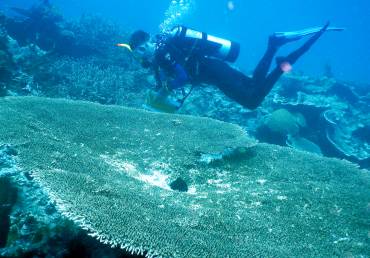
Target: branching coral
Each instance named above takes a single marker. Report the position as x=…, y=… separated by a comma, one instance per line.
x=88, y=79
x=99, y=35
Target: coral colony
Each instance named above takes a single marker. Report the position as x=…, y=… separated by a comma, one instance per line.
x=86, y=172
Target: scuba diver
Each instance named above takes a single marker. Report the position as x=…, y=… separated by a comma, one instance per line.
x=184, y=56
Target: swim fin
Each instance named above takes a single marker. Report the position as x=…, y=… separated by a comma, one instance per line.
x=289, y=36
x=293, y=57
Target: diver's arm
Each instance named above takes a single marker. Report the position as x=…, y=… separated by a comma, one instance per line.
x=181, y=77
x=177, y=79
x=158, y=79
x=170, y=75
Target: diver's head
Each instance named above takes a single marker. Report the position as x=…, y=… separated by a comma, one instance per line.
x=142, y=46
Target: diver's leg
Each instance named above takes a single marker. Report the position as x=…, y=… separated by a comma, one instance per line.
x=261, y=70
x=274, y=76
x=249, y=92
x=275, y=42
x=230, y=81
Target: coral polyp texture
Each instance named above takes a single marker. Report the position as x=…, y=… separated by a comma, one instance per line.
x=109, y=169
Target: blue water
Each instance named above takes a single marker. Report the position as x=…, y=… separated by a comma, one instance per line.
x=250, y=23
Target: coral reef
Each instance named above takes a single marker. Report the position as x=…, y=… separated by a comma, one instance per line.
x=335, y=112
x=331, y=115
x=184, y=189
x=91, y=68
x=301, y=143
x=39, y=61
x=44, y=26
x=99, y=34
x=88, y=79
x=30, y=226
x=41, y=25
x=8, y=195
x=267, y=201
x=6, y=62
x=279, y=124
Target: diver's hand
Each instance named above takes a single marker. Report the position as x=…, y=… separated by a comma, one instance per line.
x=160, y=101
x=165, y=90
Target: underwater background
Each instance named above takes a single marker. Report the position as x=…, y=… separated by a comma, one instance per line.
x=250, y=23
x=86, y=172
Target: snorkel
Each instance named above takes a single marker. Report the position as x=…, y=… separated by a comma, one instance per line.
x=138, y=58
x=124, y=45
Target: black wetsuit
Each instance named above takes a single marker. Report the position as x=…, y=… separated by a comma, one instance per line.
x=174, y=52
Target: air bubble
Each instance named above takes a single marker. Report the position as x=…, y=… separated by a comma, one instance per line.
x=176, y=11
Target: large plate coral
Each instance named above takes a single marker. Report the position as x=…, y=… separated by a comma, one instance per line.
x=110, y=169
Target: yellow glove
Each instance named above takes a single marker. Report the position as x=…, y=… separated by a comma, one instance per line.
x=160, y=101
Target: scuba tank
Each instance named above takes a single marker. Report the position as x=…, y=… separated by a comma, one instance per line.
x=207, y=45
